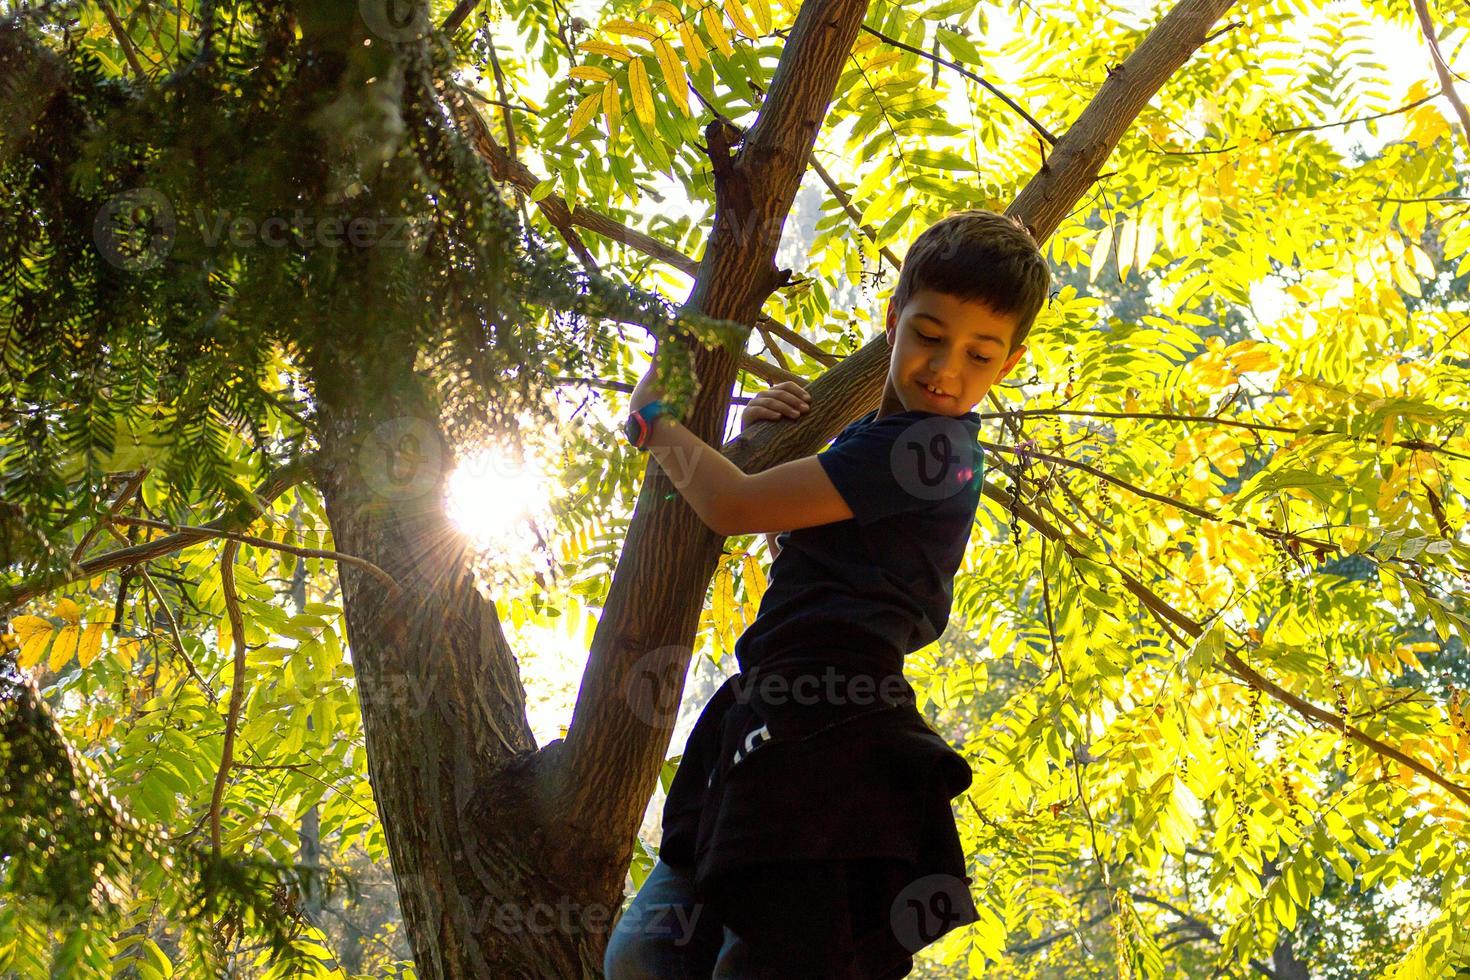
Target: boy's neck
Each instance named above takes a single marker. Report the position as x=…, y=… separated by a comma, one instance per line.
x=890, y=402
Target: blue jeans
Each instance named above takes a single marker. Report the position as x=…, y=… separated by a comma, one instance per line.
x=666, y=934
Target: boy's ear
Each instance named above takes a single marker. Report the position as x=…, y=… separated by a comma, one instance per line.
x=1010, y=362
x=890, y=324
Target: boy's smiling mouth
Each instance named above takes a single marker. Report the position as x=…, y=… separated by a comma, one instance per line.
x=933, y=394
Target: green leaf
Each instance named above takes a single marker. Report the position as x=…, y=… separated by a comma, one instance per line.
x=961, y=48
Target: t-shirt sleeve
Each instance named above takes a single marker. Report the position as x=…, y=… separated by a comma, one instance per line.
x=903, y=463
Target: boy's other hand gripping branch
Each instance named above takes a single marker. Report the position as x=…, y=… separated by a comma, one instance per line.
x=792, y=495
x=784, y=400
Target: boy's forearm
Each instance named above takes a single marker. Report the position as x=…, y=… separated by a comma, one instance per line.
x=701, y=473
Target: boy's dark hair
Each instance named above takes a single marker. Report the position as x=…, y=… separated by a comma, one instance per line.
x=979, y=255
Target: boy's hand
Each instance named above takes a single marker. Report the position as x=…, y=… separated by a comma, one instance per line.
x=644, y=392
x=786, y=399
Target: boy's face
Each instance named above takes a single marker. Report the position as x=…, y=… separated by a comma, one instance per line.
x=958, y=346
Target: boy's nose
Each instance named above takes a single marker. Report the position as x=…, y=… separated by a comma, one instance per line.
x=942, y=367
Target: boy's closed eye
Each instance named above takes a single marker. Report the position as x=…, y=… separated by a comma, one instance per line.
x=977, y=357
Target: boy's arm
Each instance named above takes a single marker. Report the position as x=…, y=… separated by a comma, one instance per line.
x=772, y=545
x=792, y=495
x=783, y=498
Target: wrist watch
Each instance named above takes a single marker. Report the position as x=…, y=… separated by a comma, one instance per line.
x=640, y=423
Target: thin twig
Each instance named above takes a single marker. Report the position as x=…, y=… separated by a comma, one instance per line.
x=852, y=212
x=178, y=640
x=1162, y=610
x=1417, y=444
x=123, y=40
x=1045, y=133
x=1161, y=498
x=173, y=623
x=250, y=539
x=134, y=482
x=237, y=686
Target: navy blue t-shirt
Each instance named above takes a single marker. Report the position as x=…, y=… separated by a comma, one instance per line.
x=750, y=808
x=864, y=592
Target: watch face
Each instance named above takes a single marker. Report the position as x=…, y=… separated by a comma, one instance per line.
x=632, y=428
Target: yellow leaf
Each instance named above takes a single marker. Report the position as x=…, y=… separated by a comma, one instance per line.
x=64, y=647
x=1425, y=125
x=1127, y=239
x=642, y=93
x=67, y=610
x=762, y=11
x=755, y=579
x=1254, y=357
x=673, y=69
x=591, y=73
x=31, y=652
x=665, y=10
x=1385, y=437
x=882, y=60
x=1421, y=261
x=740, y=19
x=728, y=623
x=626, y=27
x=27, y=626
x=126, y=650
x=716, y=29
x=1100, y=253
x=1171, y=225
x=616, y=51
x=755, y=587
x=1403, y=275
x=693, y=47
x=612, y=108
x=90, y=643
x=585, y=111
x=1144, y=250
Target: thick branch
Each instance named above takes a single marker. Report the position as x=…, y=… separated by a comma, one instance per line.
x=1079, y=154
